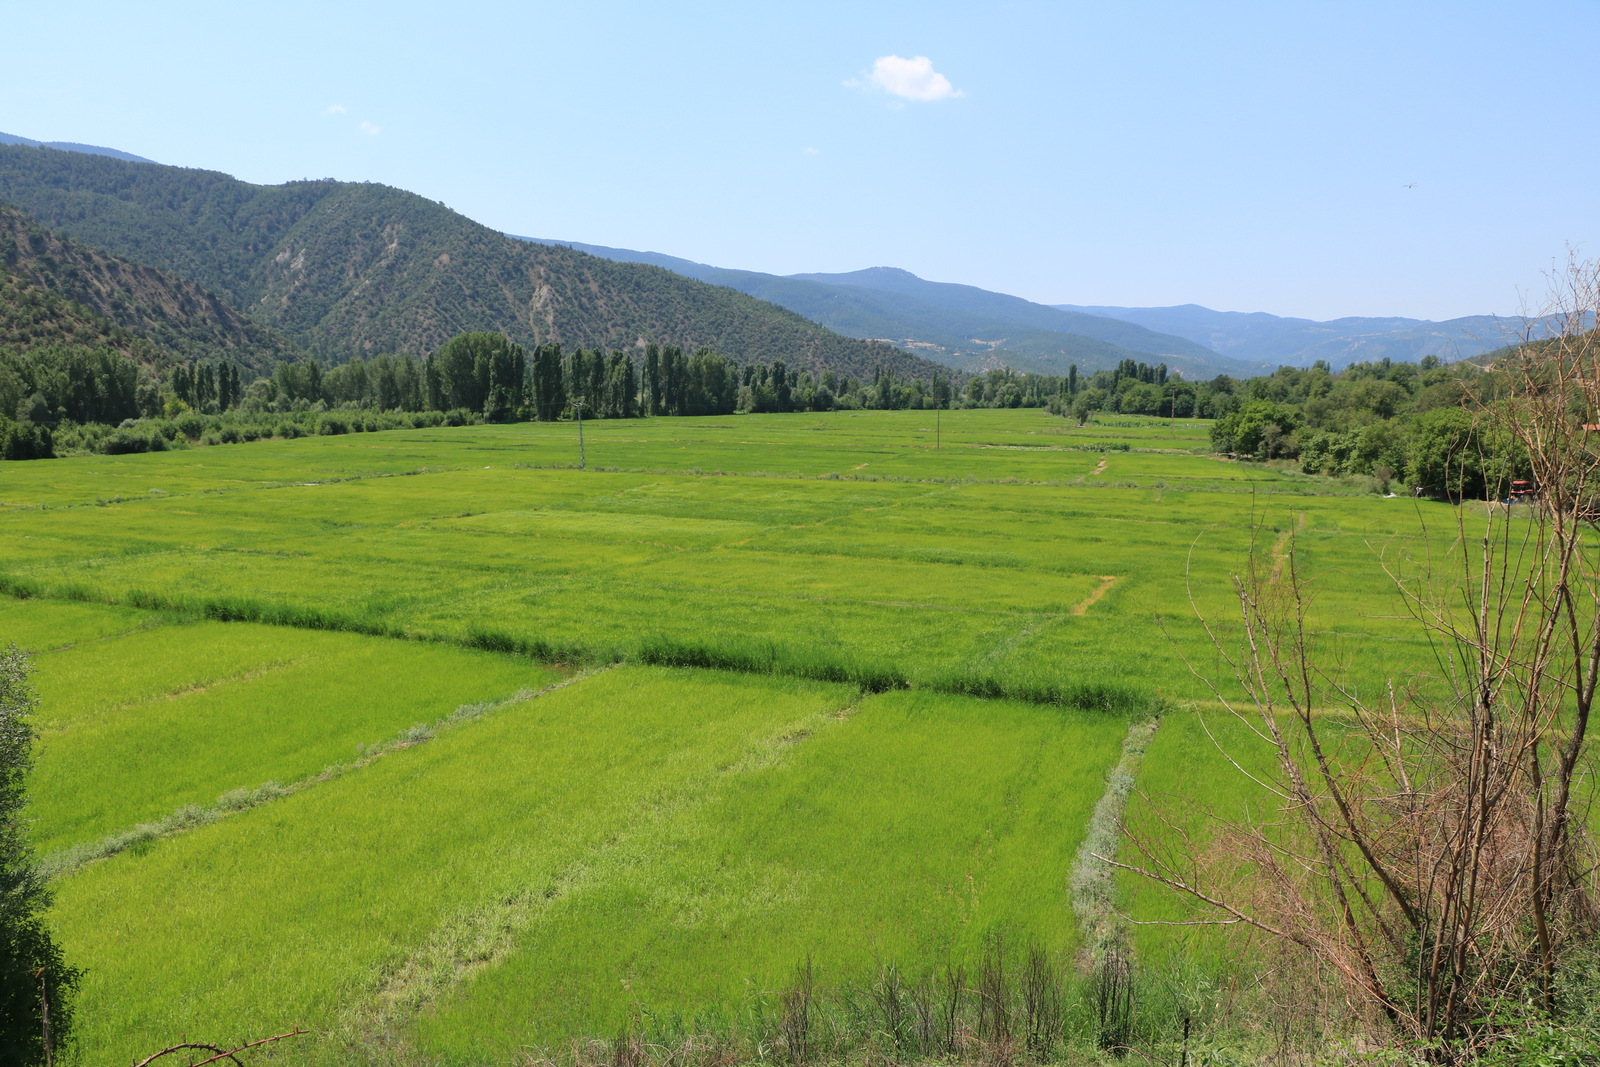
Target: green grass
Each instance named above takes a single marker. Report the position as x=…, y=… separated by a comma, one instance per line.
x=658, y=835
x=1197, y=770
x=967, y=582
x=136, y=726
x=296, y=911
x=1029, y=445
x=38, y=626
x=642, y=836
x=908, y=833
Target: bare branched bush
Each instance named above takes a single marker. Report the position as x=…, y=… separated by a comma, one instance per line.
x=1424, y=844
x=1041, y=1004
x=994, y=1000
x=218, y=1053
x=798, y=1007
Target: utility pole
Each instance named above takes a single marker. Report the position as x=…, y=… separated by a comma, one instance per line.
x=579, y=405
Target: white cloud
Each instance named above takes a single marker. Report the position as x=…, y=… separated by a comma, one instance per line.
x=368, y=128
x=334, y=109
x=808, y=150
x=910, y=79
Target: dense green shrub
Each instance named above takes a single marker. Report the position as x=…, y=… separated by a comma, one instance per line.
x=191, y=425
x=23, y=439
x=124, y=440
x=1259, y=427
x=31, y=962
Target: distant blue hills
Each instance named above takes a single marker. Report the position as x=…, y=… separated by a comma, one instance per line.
x=1257, y=336
x=974, y=329
x=73, y=146
x=960, y=326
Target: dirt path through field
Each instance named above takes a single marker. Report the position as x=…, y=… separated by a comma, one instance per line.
x=1280, y=548
x=1106, y=582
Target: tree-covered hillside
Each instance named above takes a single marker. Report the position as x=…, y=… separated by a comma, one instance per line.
x=346, y=269
x=58, y=291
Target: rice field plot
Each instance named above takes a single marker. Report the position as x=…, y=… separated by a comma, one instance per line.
x=909, y=832
x=985, y=585
x=927, y=581
x=1206, y=765
x=644, y=836
x=146, y=719
x=1185, y=778
x=1026, y=444
x=47, y=625
x=679, y=833
x=346, y=901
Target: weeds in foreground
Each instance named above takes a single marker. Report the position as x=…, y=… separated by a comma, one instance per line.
x=1035, y=1008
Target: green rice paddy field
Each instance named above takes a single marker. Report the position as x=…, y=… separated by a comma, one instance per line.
x=429, y=740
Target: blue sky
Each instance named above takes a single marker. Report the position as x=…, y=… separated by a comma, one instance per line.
x=1245, y=157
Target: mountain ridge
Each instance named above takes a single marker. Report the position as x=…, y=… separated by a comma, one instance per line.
x=1301, y=342
x=74, y=146
x=358, y=299
x=968, y=336
x=344, y=269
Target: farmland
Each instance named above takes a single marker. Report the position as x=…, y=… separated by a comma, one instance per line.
x=441, y=742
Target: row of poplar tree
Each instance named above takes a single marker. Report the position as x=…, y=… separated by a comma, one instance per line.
x=487, y=374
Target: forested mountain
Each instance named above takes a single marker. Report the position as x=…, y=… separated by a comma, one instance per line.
x=346, y=269
x=56, y=290
x=1295, y=342
x=959, y=325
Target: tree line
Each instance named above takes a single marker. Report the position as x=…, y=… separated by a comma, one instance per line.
x=491, y=377
x=63, y=392
x=1405, y=423
x=1370, y=419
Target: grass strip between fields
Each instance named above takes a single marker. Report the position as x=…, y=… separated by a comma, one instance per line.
x=1093, y=878
x=65, y=861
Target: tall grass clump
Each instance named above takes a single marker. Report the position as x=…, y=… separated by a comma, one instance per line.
x=1031, y=687
x=768, y=657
